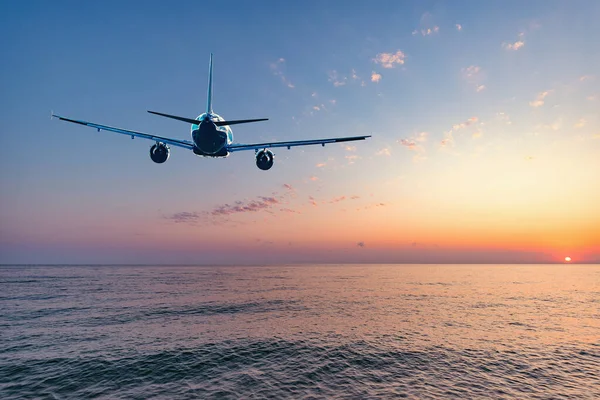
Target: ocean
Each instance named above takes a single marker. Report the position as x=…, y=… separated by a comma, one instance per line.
x=300, y=332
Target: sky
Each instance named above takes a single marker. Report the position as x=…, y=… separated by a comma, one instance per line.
x=484, y=118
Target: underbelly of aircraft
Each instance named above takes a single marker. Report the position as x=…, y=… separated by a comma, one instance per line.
x=221, y=153
x=211, y=144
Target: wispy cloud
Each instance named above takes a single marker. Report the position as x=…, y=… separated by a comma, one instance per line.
x=503, y=117
x=336, y=79
x=184, y=217
x=586, y=78
x=277, y=68
x=288, y=187
x=360, y=244
x=474, y=76
x=459, y=27
x=448, y=139
x=408, y=143
x=384, y=152
x=338, y=199
x=320, y=165
x=352, y=158
x=349, y=148
x=375, y=77
x=390, y=60
x=580, y=124
x=415, y=143
x=312, y=201
x=427, y=31
x=539, y=100
x=313, y=178
x=514, y=46
x=261, y=203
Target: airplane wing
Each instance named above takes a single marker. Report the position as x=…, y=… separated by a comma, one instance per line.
x=186, y=144
x=323, y=142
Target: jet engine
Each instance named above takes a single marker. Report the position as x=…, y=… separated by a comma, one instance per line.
x=264, y=159
x=159, y=153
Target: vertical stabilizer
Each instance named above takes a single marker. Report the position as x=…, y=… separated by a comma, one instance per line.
x=210, y=87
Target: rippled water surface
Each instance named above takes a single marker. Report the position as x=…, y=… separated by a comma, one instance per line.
x=344, y=331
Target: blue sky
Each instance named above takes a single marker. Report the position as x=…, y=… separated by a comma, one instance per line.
x=447, y=89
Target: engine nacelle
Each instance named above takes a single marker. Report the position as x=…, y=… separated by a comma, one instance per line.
x=159, y=153
x=264, y=159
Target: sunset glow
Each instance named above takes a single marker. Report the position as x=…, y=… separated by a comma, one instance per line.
x=480, y=116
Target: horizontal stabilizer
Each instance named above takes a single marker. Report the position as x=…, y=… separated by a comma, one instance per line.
x=188, y=120
x=239, y=121
x=217, y=123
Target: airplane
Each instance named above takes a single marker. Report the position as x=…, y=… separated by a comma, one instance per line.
x=211, y=135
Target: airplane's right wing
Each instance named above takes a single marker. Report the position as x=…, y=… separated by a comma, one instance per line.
x=323, y=142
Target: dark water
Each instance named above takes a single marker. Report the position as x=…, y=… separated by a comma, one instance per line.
x=348, y=331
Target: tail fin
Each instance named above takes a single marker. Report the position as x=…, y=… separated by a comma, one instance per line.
x=210, y=86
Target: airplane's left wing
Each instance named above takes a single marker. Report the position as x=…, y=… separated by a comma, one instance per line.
x=174, y=142
x=323, y=142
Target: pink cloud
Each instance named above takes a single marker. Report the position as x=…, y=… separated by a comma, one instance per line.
x=539, y=100
x=390, y=60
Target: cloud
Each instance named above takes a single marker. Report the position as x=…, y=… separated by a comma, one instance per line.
x=471, y=71
x=375, y=77
x=448, y=139
x=313, y=178
x=539, y=100
x=459, y=27
x=390, y=60
x=585, y=78
x=336, y=79
x=384, y=152
x=320, y=165
x=514, y=46
x=354, y=76
x=277, y=71
x=529, y=158
x=312, y=201
x=261, y=203
x=592, y=98
x=355, y=197
x=408, y=143
x=184, y=217
x=288, y=187
x=474, y=77
x=338, y=199
x=360, y=244
x=352, y=158
x=465, y=124
x=316, y=108
x=421, y=136
x=349, y=148
x=414, y=143
x=580, y=124
x=289, y=210
x=427, y=31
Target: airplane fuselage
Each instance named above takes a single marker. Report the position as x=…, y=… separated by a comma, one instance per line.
x=209, y=139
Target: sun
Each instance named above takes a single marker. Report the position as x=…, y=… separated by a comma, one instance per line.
x=567, y=259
